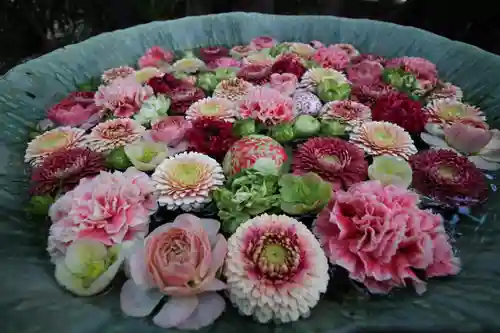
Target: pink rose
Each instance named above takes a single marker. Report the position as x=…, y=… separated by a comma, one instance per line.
x=366, y=72
x=285, y=83
x=110, y=208
x=180, y=260
x=156, y=57
x=331, y=57
x=124, y=96
x=380, y=236
x=76, y=109
x=224, y=62
x=170, y=130
x=262, y=42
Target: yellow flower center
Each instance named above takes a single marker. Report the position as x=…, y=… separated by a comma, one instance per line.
x=447, y=172
x=451, y=112
x=383, y=138
x=148, y=155
x=210, y=109
x=187, y=173
x=275, y=254
x=54, y=140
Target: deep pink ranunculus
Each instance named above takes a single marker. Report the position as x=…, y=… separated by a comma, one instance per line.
x=76, y=109
x=224, y=62
x=332, y=57
x=170, y=130
x=156, y=57
x=263, y=42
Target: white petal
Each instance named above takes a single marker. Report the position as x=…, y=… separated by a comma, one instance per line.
x=483, y=164
x=212, y=227
x=137, y=268
x=176, y=311
x=215, y=285
x=210, y=307
x=136, y=302
x=433, y=141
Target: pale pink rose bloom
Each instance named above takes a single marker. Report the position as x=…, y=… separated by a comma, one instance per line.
x=110, y=208
x=380, y=236
x=285, y=83
x=263, y=42
x=170, y=130
x=332, y=57
x=224, y=62
x=180, y=260
x=124, y=96
x=156, y=57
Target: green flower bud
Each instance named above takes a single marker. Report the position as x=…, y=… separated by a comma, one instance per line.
x=283, y=133
x=244, y=127
x=311, y=64
x=222, y=74
x=332, y=128
x=279, y=49
x=40, y=204
x=330, y=89
x=401, y=80
x=207, y=81
x=117, y=159
x=306, y=126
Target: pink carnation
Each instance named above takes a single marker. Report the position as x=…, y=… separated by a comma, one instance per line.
x=285, y=83
x=332, y=57
x=262, y=42
x=77, y=109
x=156, y=57
x=224, y=62
x=380, y=236
x=124, y=96
x=110, y=208
x=367, y=72
x=266, y=105
x=170, y=130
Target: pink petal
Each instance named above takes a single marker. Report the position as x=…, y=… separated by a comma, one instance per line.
x=466, y=138
x=212, y=227
x=136, y=302
x=433, y=141
x=214, y=285
x=218, y=255
x=210, y=307
x=176, y=311
x=482, y=164
x=138, y=272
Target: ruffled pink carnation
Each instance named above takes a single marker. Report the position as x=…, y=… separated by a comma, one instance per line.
x=381, y=237
x=332, y=57
x=266, y=105
x=124, y=96
x=262, y=42
x=366, y=72
x=110, y=208
x=285, y=83
x=156, y=57
x=224, y=62
x=76, y=109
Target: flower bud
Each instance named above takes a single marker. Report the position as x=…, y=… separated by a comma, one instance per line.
x=306, y=126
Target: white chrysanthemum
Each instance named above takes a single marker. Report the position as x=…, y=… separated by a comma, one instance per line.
x=212, y=107
x=275, y=269
x=314, y=76
x=187, y=180
x=58, y=139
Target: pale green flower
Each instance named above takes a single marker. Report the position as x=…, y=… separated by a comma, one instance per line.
x=188, y=65
x=88, y=267
x=153, y=109
x=390, y=170
x=146, y=155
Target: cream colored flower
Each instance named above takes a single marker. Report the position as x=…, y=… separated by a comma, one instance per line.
x=212, y=107
x=314, y=76
x=232, y=89
x=188, y=65
x=113, y=134
x=391, y=170
x=302, y=49
x=146, y=155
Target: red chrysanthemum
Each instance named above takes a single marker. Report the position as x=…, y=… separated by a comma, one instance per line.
x=289, y=63
x=212, y=137
x=183, y=96
x=258, y=74
x=63, y=170
x=401, y=110
x=369, y=94
x=211, y=53
x=448, y=178
x=335, y=160
x=165, y=84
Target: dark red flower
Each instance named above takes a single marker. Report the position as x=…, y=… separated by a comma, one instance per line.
x=370, y=93
x=289, y=63
x=212, y=53
x=183, y=96
x=401, y=110
x=448, y=178
x=63, y=170
x=165, y=84
x=337, y=161
x=211, y=136
x=367, y=56
x=366, y=72
x=255, y=73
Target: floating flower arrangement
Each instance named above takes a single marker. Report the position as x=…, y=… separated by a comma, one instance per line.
x=241, y=176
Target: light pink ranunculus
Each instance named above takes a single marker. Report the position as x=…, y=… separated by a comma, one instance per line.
x=262, y=42
x=123, y=96
x=170, y=130
x=285, y=83
x=381, y=237
x=332, y=57
x=156, y=57
x=181, y=260
x=77, y=109
x=224, y=62
x=110, y=208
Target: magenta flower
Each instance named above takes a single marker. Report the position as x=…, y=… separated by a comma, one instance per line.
x=266, y=105
x=156, y=57
x=263, y=42
x=77, y=109
x=224, y=62
x=332, y=57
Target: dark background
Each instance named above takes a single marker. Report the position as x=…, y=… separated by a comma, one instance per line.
x=29, y=28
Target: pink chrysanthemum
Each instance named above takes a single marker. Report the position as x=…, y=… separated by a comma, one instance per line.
x=257, y=73
x=335, y=160
x=212, y=107
x=156, y=57
x=123, y=97
x=58, y=139
x=447, y=111
x=64, y=169
x=182, y=97
x=349, y=112
x=266, y=105
x=446, y=90
x=380, y=236
x=331, y=57
x=113, y=134
x=232, y=89
x=110, y=208
x=275, y=269
x=370, y=93
x=383, y=138
x=112, y=74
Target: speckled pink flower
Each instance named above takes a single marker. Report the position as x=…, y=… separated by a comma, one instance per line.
x=224, y=62
x=111, y=74
x=123, y=97
x=331, y=57
x=262, y=42
x=156, y=57
x=113, y=134
x=110, y=208
x=381, y=237
x=349, y=112
x=266, y=105
x=285, y=83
